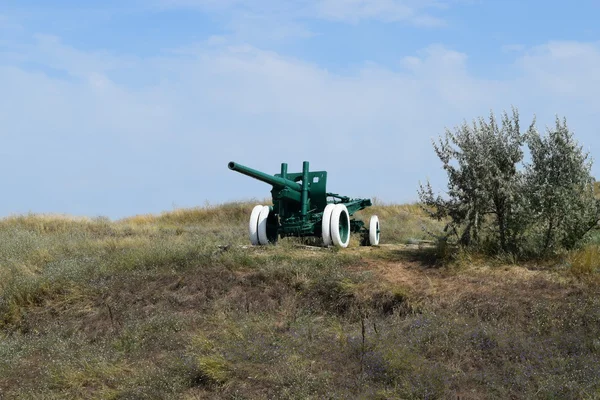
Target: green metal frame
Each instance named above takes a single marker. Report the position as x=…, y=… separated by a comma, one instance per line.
x=299, y=200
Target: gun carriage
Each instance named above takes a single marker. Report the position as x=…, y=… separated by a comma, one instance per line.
x=302, y=207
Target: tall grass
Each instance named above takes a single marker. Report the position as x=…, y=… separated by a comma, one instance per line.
x=178, y=306
x=402, y=223
x=585, y=261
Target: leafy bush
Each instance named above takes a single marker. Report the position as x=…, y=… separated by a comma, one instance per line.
x=501, y=204
x=560, y=189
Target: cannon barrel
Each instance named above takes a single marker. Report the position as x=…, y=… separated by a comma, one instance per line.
x=261, y=176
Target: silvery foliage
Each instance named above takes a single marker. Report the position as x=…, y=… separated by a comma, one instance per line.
x=560, y=189
x=495, y=200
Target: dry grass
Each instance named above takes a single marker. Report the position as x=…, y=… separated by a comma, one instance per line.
x=402, y=223
x=585, y=261
x=219, y=215
x=156, y=307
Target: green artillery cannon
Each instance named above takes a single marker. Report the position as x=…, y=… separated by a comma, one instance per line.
x=302, y=207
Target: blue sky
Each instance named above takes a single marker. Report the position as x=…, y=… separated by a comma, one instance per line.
x=116, y=108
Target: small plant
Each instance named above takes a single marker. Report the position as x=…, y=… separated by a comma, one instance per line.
x=585, y=261
x=212, y=370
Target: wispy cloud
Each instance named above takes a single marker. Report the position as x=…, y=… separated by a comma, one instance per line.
x=513, y=48
x=414, y=12
x=49, y=50
x=108, y=145
x=382, y=10
x=250, y=27
x=9, y=25
x=565, y=68
x=208, y=4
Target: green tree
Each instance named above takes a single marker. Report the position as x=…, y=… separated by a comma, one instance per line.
x=483, y=181
x=496, y=200
x=560, y=189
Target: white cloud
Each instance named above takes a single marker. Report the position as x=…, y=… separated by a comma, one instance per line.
x=105, y=145
x=416, y=12
x=208, y=4
x=4, y=21
x=564, y=68
x=261, y=28
x=49, y=51
x=272, y=22
x=8, y=26
x=383, y=10
x=513, y=48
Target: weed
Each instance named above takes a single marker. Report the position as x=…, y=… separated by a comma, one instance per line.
x=211, y=370
x=585, y=261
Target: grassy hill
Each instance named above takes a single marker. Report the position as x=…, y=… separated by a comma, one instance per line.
x=176, y=306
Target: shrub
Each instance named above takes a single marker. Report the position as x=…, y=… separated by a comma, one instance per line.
x=500, y=204
x=560, y=189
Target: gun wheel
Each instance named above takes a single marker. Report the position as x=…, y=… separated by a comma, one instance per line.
x=374, y=231
x=340, y=226
x=267, y=226
x=326, y=225
x=253, y=225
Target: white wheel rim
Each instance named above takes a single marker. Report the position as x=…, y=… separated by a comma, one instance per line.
x=374, y=231
x=326, y=226
x=340, y=216
x=253, y=225
x=262, y=226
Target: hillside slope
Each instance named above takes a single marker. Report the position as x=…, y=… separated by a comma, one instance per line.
x=176, y=306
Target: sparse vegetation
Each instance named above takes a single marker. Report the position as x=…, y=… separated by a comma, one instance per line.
x=176, y=306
